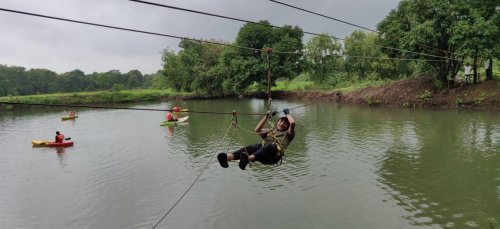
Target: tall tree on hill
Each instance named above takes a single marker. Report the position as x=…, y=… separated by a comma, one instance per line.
x=478, y=32
x=322, y=58
x=423, y=26
x=447, y=31
x=244, y=67
x=173, y=74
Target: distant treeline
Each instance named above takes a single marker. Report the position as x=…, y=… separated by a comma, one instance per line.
x=432, y=38
x=20, y=81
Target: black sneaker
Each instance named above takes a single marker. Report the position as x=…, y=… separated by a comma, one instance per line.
x=243, y=161
x=222, y=157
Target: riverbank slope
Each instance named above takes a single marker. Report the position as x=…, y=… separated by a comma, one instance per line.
x=412, y=92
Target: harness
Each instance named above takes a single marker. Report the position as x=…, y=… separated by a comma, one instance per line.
x=280, y=150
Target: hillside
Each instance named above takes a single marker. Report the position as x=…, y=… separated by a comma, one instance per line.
x=414, y=92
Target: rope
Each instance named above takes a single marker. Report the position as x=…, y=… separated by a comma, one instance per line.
x=273, y=26
x=303, y=105
x=296, y=52
x=195, y=180
x=361, y=27
x=133, y=30
x=122, y=108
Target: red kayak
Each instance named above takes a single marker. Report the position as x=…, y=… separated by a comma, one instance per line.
x=46, y=143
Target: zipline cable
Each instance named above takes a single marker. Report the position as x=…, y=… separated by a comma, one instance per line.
x=258, y=23
x=174, y=36
x=335, y=19
x=352, y=24
x=123, y=108
x=122, y=28
x=195, y=180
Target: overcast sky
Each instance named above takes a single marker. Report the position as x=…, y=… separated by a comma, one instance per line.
x=34, y=42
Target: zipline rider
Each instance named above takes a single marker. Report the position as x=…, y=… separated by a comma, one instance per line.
x=271, y=150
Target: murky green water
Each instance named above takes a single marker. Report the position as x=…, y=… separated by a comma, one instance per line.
x=346, y=168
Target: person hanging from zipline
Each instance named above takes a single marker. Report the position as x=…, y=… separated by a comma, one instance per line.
x=271, y=149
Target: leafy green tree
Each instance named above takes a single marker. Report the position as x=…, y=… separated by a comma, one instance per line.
x=256, y=36
x=71, y=81
x=477, y=33
x=135, y=79
x=447, y=31
x=240, y=72
x=102, y=81
x=287, y=39
x=423, y=26
x=174, y=75
x=43, y=80
x=244, y=67
x=207, y=71
x=7, y=83
x=323, y=58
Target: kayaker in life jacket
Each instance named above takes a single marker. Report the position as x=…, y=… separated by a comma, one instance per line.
x=170, y=117
x=271, y=149
x=59, y=137
x=72, y=114
x=176, y=109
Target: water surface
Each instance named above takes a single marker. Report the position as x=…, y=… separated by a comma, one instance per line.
x=346, y=168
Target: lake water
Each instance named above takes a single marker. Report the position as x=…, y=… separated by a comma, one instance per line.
x=348, y=167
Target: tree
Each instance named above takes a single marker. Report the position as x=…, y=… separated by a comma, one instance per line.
x=43, y=80
x=174, y=75
x=7, y=83
x=323, y=58
x=423, y=26
x=477, y=33
x=287, y=39
x=134, y=79
x=446, y=31
x=365, y=58
x=71, y=81
x=244, y=67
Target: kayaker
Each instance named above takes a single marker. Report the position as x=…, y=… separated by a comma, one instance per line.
x=271, y=150
x=176, y=109
x=72, y=114
x=170, y=117
x=59, y=137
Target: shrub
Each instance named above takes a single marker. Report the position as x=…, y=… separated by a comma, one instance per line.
x=426, y=96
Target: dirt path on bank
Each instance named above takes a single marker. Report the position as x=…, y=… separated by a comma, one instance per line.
x=415, y=92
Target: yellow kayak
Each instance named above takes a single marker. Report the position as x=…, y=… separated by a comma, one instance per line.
x=182, y=110
x=69, y=117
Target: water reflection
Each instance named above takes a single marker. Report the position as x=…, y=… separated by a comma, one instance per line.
x=346, y=168
x=446, y=175
x=61, y=151
x=170, y=130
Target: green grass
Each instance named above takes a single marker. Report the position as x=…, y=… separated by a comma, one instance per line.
x=93, y=97
x=292, y=85
x=344, y=87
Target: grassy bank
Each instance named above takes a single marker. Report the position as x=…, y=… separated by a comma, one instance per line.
x=97, y=97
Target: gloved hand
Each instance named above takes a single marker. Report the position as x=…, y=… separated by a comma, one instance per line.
x=286, y=111
x=271, y=114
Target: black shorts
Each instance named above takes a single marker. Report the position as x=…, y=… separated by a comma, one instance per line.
x=266, y=154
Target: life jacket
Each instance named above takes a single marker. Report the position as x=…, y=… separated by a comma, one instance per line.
x=59, y=138
x=169, y=117
x=177, y=109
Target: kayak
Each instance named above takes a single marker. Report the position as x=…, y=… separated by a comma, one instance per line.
x=182, y=110
x=47, y=143
x=173, y=123
x=69, y=117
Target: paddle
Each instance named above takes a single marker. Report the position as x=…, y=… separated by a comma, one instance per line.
x=68, y=138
